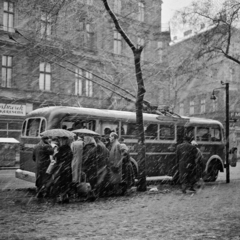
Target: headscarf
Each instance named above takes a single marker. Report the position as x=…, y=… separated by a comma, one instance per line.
x=89, y=140
x=123, y=147
x=194, y=143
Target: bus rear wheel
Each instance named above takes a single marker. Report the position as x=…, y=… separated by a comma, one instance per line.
x=212, y=173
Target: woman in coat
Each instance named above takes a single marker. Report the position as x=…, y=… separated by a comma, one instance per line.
x=89, y=160
x=63, y=174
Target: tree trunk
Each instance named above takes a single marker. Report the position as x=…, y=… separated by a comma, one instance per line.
x=141, y=149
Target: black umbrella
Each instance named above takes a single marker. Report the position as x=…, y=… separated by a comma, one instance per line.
x=57, y=133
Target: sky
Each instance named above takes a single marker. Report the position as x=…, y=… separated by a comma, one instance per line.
x=170, y=6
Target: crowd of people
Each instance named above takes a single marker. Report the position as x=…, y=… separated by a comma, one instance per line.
x=95, y=166
x=85, y=166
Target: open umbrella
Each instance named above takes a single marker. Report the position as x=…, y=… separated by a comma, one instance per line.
x=85, y=132
x=57, y=133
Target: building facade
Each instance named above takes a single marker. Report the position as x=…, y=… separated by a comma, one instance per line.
x=69, y=53
x=194, y=79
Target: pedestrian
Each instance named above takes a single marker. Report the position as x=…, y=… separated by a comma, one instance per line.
x=90, y=164
x=198, y=161
x=77, y=150
x=41, y=155
x=127, y=169
x=102, y=159
x=62, y=177
x=55, y=145
x=186, y=155
x=115, y=165
x=115, y=157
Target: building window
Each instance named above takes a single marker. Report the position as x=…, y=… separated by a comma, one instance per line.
x=90, y=36
x=90, y=2
x=45, y=76
x=117, y=6
x=8, y=16
x=203, y=105
x=214, y=105
x=141, y=43
x=78, y=81
x=89, y=85
x=191, y=111
x=160, y=51
x=6, y=71
x=117, y=45
x=46, y=25
x=140, y=12
x=181, y=109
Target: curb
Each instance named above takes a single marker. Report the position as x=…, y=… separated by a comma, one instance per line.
x=10, y=168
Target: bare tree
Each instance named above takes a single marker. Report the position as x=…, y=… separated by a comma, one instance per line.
x=137, y=50
x=215, y=25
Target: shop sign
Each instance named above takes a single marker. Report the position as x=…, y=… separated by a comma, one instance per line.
x=235, y=115
x=12, y=109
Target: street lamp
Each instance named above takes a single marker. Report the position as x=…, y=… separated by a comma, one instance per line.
x=213, y=97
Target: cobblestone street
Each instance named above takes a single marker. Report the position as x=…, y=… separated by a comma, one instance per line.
x=212, y=213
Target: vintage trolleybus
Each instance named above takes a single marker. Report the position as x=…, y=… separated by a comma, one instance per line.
x=163, y=131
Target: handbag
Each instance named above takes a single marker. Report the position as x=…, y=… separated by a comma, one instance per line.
x=115, y=177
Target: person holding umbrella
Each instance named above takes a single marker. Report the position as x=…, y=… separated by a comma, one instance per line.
x=41, y=155
x=62, y=177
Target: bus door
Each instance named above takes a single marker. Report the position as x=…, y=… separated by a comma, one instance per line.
x=31, y=129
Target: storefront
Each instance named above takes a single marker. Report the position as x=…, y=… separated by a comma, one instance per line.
x=11, y=119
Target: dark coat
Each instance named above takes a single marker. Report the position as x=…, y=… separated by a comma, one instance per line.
x=186, y=160
x=102, y=154
x=90, y=163
x=41, y=155
x=62, y=177
x=127, y=171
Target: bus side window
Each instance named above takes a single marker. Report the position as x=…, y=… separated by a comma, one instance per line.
x=203, y=134
x=43, y=126
x=130, y=130
x=189, y=132
x=167, y=132
x=108, y=127
x=33, y=127
x=215, y=135
x=151, y=131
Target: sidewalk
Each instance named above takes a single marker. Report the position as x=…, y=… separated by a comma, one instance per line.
x=212, y=213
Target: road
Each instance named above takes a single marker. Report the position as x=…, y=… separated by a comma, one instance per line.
x=8, y=180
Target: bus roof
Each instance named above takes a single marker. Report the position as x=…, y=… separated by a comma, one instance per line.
x=204, y=121
x=50, y=112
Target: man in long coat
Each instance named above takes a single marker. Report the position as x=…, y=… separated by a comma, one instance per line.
x=77, y=149
x=186, y=160
x=41, y=155
x=115, y=157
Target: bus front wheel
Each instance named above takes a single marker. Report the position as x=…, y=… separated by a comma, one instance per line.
x=212, y=173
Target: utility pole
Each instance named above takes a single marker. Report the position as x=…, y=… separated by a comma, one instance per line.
x=227, y=132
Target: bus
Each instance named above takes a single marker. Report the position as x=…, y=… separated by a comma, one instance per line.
x=163, y=132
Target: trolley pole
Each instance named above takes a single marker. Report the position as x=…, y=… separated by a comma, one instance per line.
x=227, y=133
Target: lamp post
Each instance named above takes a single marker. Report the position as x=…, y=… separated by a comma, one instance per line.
x=213, y=97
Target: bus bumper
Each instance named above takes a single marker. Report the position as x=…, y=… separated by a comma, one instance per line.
x=25, y=175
